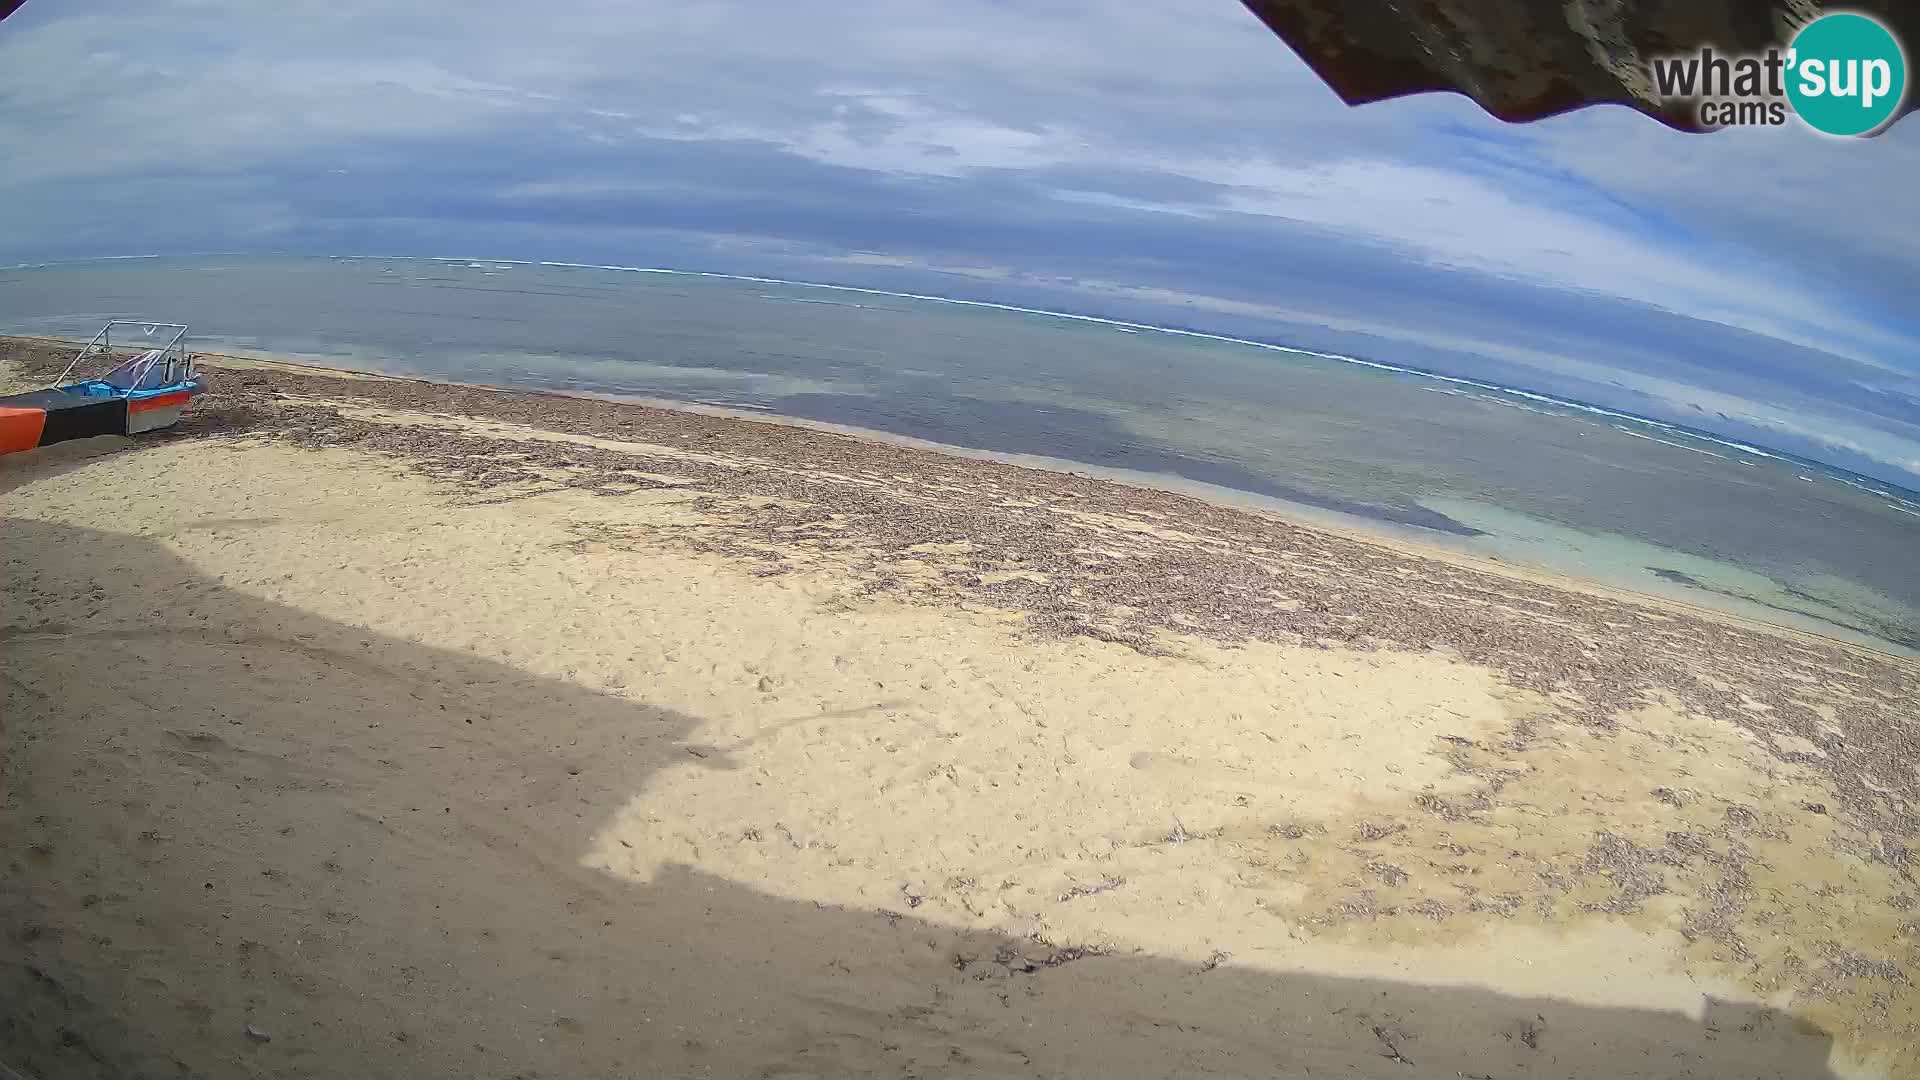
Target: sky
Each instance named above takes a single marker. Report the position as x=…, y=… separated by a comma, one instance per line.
x=1162, y=160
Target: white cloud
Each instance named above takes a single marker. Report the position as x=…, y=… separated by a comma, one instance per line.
x=889, y=131
x=1442, y=215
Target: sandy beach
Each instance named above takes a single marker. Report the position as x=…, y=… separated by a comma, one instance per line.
x=373, y=727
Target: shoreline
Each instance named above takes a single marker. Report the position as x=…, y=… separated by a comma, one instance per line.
x=555, y=734
x=1388, y=535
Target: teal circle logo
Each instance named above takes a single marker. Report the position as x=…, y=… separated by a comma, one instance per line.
x=1846, y=74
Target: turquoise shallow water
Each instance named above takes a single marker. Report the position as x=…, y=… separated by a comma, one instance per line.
x=1484, y=469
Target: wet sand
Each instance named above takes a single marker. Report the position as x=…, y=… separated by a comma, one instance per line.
x=440, y=731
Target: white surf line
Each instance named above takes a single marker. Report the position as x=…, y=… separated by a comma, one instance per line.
x=1894, y=500
x=117, y=258
x=1675, y=445
x=71, y=262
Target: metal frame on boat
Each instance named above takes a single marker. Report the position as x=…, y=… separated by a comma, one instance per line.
x=147, y=391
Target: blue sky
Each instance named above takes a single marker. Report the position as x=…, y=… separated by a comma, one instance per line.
x=1169, y=161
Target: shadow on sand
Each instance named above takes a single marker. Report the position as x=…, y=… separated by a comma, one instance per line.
x=243, y=840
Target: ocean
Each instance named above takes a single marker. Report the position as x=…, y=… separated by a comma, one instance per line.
x=1488, y=470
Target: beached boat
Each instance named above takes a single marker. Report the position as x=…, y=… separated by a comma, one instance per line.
x=145, y=392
